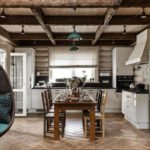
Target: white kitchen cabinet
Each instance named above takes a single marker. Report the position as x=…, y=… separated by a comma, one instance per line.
x=37, y=99
x=114, y=101
x=135, y=108
x=119, y=57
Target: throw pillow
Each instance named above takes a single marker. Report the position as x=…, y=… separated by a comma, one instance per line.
x=5, y=106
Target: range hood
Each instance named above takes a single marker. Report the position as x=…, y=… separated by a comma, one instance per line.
x=140, y=53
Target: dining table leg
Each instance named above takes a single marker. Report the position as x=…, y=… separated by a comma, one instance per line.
x=92, y=123
x=56, y=123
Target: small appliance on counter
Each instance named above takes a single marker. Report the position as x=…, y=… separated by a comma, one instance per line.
x=140, y=87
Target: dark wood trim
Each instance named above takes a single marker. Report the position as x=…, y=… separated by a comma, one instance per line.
x=63, y=36
x=80, y=20
x=69, y=43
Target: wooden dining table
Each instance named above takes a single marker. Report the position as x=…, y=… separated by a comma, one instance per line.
x=70, y=105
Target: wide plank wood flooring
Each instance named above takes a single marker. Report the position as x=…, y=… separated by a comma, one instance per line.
x=27, y=134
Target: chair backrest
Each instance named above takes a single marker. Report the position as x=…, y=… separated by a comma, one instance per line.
x=47, y=99
x=103, y=102
x=50, y=97
x=44, y=103
x=5, y=87
x=98, y=98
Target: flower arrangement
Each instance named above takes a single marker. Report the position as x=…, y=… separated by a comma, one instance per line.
x=75, y=83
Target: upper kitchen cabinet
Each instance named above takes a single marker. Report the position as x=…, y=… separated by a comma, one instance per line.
x=119, y=57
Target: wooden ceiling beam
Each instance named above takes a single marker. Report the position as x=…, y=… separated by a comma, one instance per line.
x=63, y=36
x=108, y=16
x=71, y=4
x=40, y=18
x=80, y=20
x=79, y=43
x=5, y=36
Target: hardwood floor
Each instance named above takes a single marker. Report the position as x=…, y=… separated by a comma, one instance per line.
x=27, y=134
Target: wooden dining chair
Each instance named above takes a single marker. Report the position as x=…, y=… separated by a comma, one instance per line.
x=49, y=117
x=99, y=116
x=97, y=107
x=49, y=96
x=7, y=103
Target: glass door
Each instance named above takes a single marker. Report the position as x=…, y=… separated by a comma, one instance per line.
x=18, y=81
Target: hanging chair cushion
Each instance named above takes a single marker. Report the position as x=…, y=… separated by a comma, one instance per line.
x=3, y=127
x=5, y=106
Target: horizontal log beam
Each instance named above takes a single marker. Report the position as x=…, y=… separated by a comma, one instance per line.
x=68, y=43
x=68, y=4
x=63, y=36
x=79, y=20
x=5, y=36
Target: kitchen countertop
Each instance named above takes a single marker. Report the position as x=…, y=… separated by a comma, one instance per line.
x=65, y=87
x=62, y=85
x=137, y=91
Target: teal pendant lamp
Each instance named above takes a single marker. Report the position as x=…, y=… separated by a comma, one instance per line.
x=74, y=36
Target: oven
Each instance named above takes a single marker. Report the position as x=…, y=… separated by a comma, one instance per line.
x=123, y=82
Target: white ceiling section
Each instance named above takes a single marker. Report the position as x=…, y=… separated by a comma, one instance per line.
x=70, y=11
x=132, y=11
x=119, y=29
x=68, y=29
x=17, y=11
x=27, y=29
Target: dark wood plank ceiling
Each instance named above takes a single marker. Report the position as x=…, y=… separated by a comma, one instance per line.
x=50, y=25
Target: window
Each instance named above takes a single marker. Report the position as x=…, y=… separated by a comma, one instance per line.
x=2, y=58
x=65, y=64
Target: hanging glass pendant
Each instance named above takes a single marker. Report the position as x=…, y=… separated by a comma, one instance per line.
x=74, y=36
x=73, y=48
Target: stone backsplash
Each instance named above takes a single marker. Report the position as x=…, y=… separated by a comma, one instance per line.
x=141, y=74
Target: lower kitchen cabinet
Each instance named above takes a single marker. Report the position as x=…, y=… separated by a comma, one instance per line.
x=135, y=108
x=37, y=99
x=114, y=101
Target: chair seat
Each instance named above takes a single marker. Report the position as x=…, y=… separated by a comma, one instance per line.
x=51, y=115
x=3, y=127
